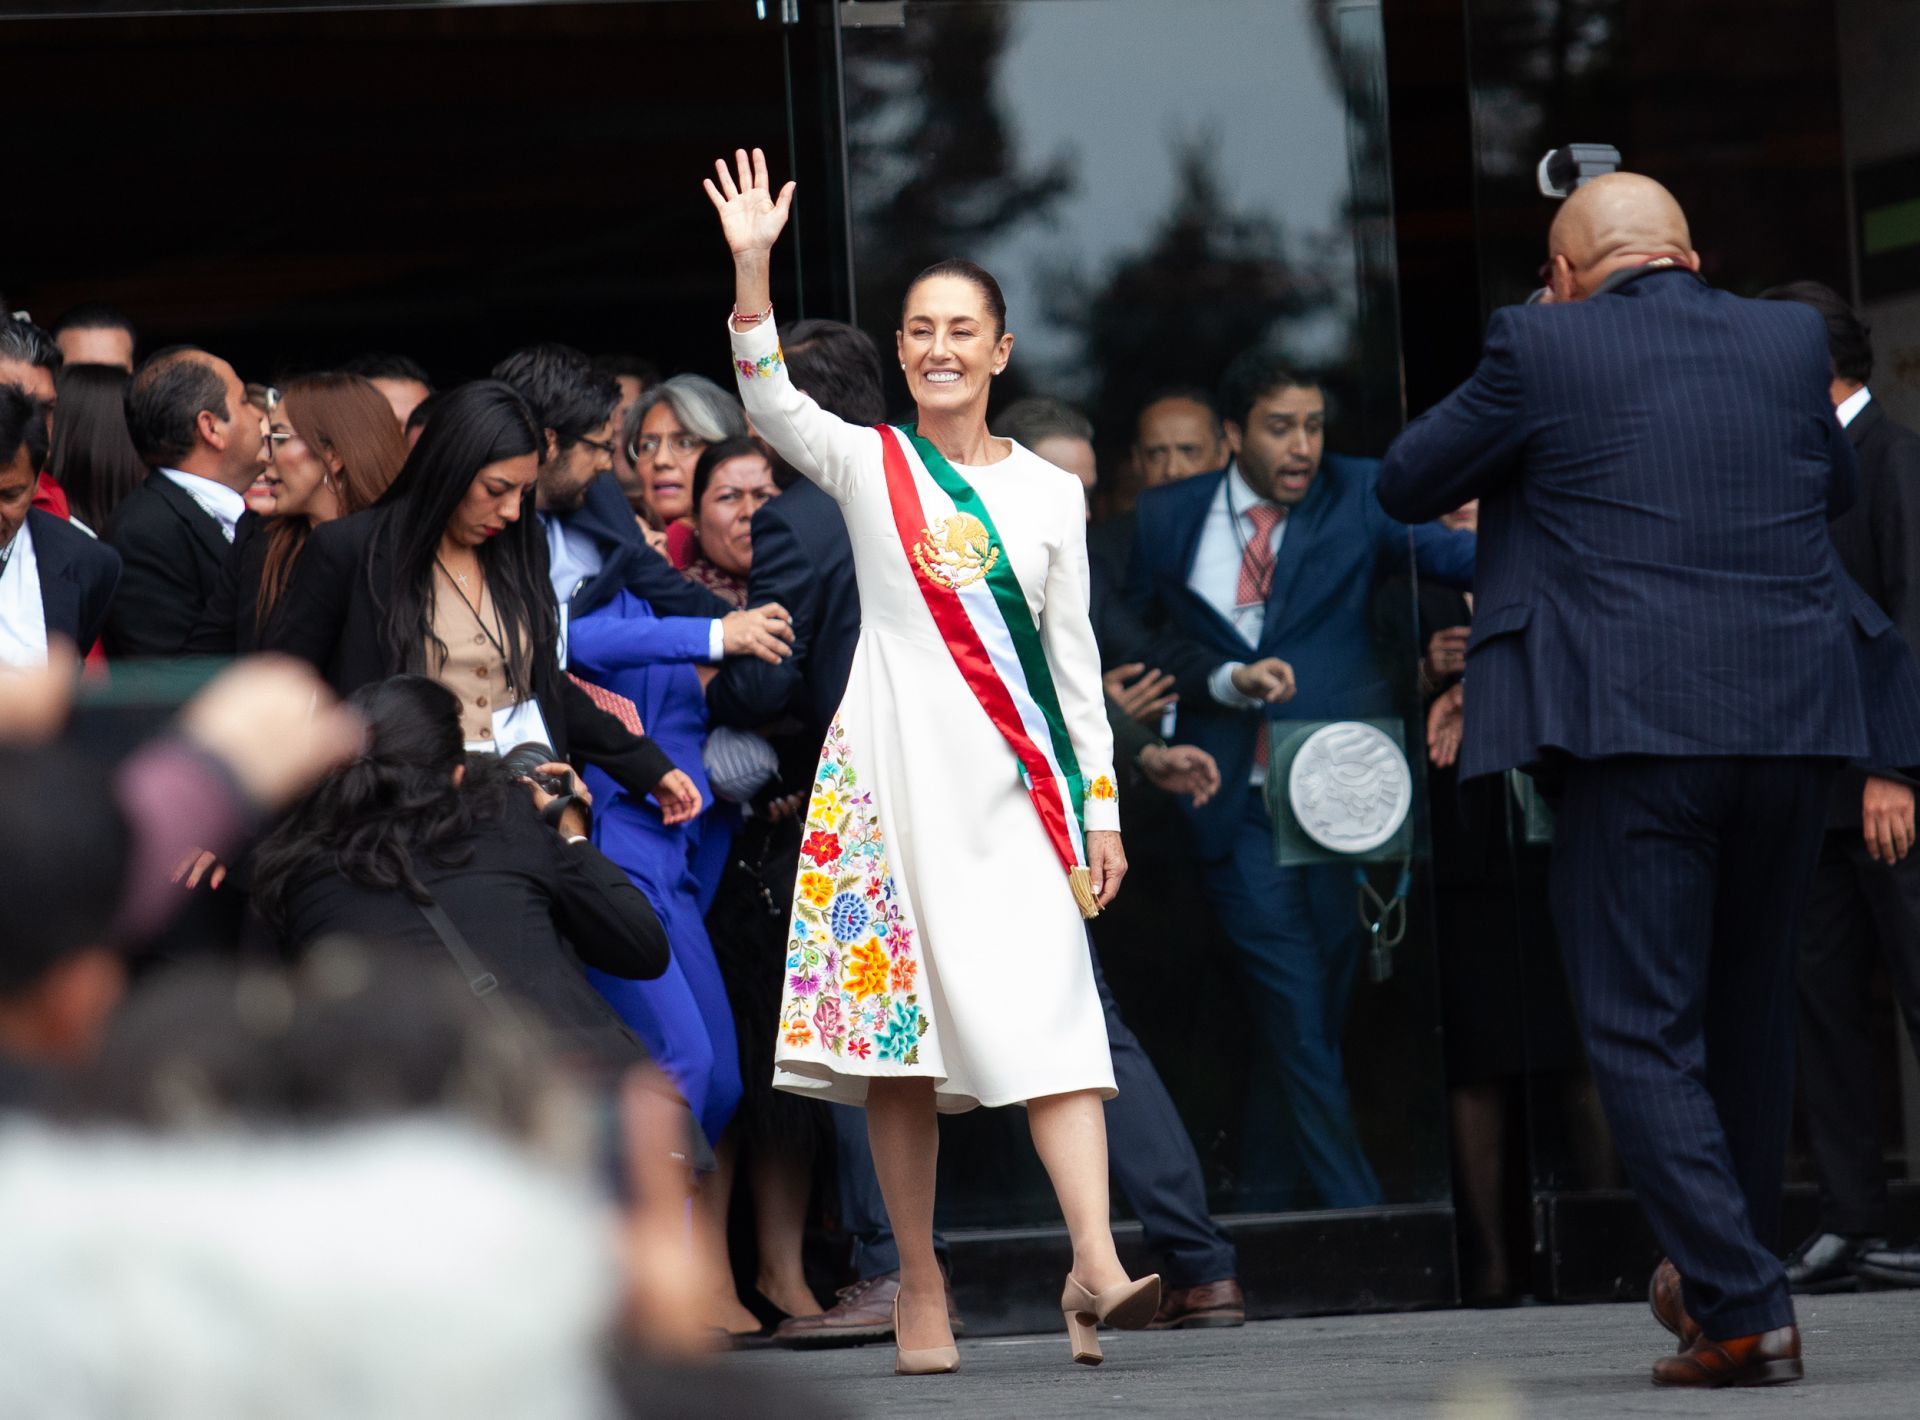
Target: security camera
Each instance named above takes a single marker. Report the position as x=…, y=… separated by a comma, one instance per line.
x=1564, y=169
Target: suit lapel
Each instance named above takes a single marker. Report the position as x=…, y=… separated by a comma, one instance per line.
x=1227, y=637
x=205, y=526
x=1303, y=523
x=59, y=587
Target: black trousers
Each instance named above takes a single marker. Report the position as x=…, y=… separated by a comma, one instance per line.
x=1678, y=888
x=1859, y=910
x=1149, y=1150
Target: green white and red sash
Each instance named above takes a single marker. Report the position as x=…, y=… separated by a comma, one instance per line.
x=982, y=615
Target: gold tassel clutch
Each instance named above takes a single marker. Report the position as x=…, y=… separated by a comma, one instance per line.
x=1081, y=881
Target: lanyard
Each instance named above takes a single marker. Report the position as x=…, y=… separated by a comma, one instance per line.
x=506, y=662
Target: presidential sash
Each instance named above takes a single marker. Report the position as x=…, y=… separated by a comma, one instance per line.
x=960, y=564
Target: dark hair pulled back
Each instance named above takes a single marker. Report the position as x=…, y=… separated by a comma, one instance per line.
x=373, y=820
x=976, y=276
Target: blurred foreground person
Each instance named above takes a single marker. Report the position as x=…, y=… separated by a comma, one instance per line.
x=93, y=880
x=1662, y=629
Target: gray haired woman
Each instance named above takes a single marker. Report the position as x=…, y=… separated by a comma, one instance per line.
x=666, y=431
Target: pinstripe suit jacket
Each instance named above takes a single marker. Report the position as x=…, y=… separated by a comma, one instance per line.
x=1657, y=465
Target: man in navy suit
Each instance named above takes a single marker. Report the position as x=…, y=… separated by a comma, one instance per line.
x=1269, y=566
x=1662, y=624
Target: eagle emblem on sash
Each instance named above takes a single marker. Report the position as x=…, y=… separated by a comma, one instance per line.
x=956, y=554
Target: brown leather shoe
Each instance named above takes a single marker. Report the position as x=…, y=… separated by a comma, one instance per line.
x=1766, y=1358
x=863, y=1313
x=1669, y=1307
x=1209, y=1304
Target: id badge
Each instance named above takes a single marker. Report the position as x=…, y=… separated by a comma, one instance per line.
x=518, y=725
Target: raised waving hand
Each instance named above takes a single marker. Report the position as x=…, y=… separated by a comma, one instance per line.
x=751, y=217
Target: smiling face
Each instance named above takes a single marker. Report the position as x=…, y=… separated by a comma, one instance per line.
x=301, y=482
x=494, y=501
x=950, y=345
x=737, y=490
x=666, y=457
x=1279, y=450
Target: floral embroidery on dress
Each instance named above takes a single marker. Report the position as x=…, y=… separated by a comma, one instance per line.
x=1102, y=789
x=763, y=368
x=852, y=966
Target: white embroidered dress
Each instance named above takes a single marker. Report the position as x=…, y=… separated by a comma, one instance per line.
x=934, y=932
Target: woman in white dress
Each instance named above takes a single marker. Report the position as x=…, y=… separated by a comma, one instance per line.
x=963, y=820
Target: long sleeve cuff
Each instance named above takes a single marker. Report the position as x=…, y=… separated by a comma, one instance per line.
x=1101, y=810
x=1220, y=685
x=716, y=642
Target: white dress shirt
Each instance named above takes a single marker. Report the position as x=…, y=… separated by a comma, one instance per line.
x=23, y=619
x=1849, y=408
x=1216, y=574
x=216, y=500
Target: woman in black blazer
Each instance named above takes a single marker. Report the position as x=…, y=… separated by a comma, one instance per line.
x=410, y=826
x=334, y=450
x=447, y=577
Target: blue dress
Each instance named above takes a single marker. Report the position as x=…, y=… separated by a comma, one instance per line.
x=683, y=1016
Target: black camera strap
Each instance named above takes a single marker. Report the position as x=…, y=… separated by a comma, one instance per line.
x=483, y=983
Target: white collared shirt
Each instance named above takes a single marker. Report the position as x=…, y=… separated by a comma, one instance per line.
x=216, y=500
x=1849, y=408
x=23, y=618
x=1216, y=573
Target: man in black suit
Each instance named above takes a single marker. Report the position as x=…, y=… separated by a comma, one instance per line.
x=1865, y=904
x=1661, y=623
x=55, y=581
x=192, y=419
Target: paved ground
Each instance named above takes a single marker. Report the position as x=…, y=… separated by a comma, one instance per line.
x=1588, y=1361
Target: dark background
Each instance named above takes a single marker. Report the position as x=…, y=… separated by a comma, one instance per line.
x=292, y=189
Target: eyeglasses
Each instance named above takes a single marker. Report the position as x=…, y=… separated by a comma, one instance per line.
x=263, y=397
x=599, y=446
x=649, y=445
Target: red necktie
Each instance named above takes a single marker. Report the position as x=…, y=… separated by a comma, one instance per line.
x=1256, y=562
x=1256, y=581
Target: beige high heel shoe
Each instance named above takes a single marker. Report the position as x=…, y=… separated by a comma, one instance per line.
x=927, y=1361
x=1129, y=1307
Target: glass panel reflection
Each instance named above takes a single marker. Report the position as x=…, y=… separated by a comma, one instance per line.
x=1161, y=189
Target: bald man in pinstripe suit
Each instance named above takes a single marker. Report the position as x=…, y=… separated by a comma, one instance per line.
x=1662, y=630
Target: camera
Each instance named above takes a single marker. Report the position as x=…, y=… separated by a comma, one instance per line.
x=1564, y=169
x=522, y=760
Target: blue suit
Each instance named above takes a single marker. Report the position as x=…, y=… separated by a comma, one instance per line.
x=684, y=1015
x=1294, y=929
x=1662, y=624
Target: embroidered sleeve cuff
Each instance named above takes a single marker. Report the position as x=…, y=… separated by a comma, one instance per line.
x=1220, y=685
x=756, y=352
x=1101, y=813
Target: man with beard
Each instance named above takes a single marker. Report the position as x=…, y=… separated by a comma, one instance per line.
x=1268, y=566
x=594, y=547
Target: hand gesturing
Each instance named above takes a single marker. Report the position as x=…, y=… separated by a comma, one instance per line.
x=750, y=216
